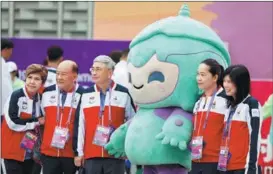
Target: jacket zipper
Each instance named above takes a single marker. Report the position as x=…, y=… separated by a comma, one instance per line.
x=200, y=121
x=102, y=153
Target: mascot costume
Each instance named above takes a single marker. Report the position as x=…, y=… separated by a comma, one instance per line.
x=162, y=64
x=267, y=112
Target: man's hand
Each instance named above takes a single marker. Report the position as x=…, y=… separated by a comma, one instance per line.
x=41, y=120
x=78, y=160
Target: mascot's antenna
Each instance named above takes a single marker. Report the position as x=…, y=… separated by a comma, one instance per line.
x=184, y=11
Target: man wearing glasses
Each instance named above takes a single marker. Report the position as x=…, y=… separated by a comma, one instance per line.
x=105, y=106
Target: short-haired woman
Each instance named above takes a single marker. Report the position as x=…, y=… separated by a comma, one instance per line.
x=21, y=116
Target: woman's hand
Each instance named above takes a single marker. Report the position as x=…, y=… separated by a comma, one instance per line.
x=41, y=120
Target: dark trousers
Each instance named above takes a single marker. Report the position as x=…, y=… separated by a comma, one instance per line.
x=128, y=170
x=204, y=168
x=234, y=172
x=104, y=166
x=242, y=171
x=2, y=168
x=37, y=168
x=18, y=167
x=58, y=165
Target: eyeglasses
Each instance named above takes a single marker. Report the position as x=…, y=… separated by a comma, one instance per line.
x=92, y=70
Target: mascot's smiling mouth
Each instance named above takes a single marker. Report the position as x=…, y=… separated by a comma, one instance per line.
x=138, y=87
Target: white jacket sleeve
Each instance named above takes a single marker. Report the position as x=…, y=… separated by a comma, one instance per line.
x=6, y=85
x=14, y=122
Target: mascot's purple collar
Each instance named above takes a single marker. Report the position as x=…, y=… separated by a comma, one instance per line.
x=164, y=113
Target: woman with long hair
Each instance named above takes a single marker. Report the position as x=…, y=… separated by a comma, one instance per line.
x=240, y=144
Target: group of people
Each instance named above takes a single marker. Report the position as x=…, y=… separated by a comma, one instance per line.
x=55, y=123
x=227, y=122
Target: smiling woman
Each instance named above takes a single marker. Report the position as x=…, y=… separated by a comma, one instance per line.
x=35, y=76
x=21, y=116
x=242, y=122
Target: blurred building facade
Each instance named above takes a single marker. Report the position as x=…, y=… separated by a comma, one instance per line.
x=47, y=19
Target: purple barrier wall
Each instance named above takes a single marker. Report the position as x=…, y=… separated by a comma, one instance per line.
x=28, y=51
x=247, y=27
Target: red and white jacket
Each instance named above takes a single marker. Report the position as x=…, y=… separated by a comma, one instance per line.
x=212, y=134
x=122, y=109
x=49, y=109
x=245, y=135
x=18, y=119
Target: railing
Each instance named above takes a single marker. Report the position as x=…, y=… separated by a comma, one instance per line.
x=47, y=19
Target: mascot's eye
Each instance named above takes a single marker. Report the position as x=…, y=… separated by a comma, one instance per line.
x=156, y=76
x=130, y=77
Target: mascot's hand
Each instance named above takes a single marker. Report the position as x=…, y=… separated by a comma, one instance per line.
x=115, y=146
x=176, y=132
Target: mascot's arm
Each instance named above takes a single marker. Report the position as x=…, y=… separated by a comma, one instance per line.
x=116, y=144
x=177, y=129
x=267, y=112
x=267, y=107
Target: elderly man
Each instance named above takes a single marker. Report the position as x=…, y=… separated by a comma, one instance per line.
x=60, y=105
x=104, y=107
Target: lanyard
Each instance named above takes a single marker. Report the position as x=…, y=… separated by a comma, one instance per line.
x=207, y=113
x=35, y=107
x=226, y=132
x=58, y=106
x=230, y=116
x=109, y=106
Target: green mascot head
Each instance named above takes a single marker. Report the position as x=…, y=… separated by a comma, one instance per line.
x=164, y=57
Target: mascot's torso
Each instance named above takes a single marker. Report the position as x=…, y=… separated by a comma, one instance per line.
x=146, y=124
